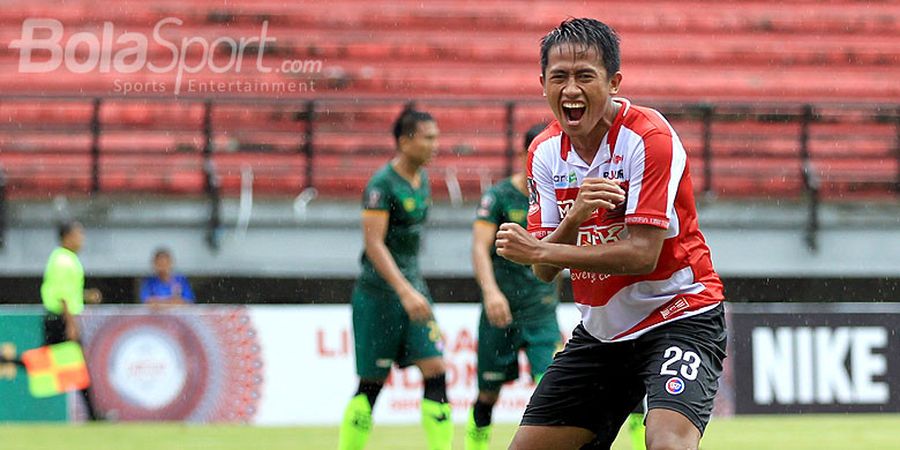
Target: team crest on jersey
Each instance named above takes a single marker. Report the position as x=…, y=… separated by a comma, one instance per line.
x=516, y=215
x=409, y=204
x=674, y=386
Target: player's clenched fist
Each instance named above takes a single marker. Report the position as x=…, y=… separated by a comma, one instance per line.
x=594, y=194
x=517, y=245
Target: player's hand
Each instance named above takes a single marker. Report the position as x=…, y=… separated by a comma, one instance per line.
x=518, y=245
x=496, y=308
x=594, y=194
x=93, y=296
x=416, y=305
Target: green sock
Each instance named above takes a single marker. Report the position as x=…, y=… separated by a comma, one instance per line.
x=357, y=424
x=636, y=431
x=438, y=425
x=477, y=438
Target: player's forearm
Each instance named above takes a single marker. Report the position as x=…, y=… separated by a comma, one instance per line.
x=618, y=258
x=386, y=267
x=565, y=233
x=484, y=271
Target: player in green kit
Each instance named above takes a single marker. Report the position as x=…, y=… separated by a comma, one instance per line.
x=519, y=311
x=392, y=317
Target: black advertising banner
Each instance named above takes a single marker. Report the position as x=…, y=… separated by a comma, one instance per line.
x=815, y=358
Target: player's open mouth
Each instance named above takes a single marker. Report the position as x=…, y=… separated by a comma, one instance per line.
x=574, y=111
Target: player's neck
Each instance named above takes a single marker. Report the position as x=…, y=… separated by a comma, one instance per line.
x=518, y=181
x=406, y=169
x=588, y=145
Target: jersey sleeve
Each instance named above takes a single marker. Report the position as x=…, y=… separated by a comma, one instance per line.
x=543, y=214
x=376, y=196
x=489, y=208
x=656, y=172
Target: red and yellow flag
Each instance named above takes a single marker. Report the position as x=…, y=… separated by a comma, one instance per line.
x=55, y=369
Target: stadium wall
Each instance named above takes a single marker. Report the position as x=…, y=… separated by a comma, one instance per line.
x=281, y=365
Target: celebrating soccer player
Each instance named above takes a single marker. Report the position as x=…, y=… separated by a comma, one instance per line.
x=519, y=310
x=392, y=316
x=611, y=199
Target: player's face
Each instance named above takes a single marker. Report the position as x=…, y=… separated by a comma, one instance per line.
x=578, y=88
x=422, y=146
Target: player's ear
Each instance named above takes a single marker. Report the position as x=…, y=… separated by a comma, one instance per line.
x=615, y=82
x=543, y=86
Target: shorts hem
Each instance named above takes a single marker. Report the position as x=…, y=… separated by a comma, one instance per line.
x=682, y=409
x=536, y=422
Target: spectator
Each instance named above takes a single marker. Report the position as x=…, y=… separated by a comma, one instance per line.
x=63, y=294
x=166, y=287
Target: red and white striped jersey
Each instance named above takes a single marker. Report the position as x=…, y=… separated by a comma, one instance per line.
x=643, y=151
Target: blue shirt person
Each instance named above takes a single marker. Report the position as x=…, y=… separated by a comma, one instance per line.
x=165, y=287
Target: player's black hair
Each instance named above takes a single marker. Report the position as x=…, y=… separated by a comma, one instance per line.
x=67, y=227
x=589, y=33
x=532, y=133
x=408, y=121
x=161, y=251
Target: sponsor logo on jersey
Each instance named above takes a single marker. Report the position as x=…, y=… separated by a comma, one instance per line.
x=679, y=305
x=564, y=181
x=564, y=207
x=675, y=386
x=597, y=235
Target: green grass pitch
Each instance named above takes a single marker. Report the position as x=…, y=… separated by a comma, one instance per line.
x=812, y=432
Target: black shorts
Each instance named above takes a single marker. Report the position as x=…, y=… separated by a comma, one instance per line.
x=595, y=385
x=54, y=329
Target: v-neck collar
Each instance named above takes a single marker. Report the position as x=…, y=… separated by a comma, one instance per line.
x=402, y=178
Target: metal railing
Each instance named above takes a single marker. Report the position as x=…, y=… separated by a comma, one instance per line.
x=705, y=120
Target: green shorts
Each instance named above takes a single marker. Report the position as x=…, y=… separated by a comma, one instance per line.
x=384, y=335
x=498, y=350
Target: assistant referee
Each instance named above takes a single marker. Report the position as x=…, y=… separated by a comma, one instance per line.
x=63, y=294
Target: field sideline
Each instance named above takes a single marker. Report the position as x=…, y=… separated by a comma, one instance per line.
x=809, y=432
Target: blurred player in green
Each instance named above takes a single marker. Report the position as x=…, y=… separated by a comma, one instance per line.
x=392, y=316
x=519, y=311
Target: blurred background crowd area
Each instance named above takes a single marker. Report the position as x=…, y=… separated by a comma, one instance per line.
x=244, y=140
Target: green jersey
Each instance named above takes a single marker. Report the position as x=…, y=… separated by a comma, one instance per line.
x=63, y=280
x=529, y=298
x=407, y=208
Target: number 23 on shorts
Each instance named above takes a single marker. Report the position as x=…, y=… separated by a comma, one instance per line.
x=678, y=361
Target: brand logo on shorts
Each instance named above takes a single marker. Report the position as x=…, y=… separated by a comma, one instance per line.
x=675, y=386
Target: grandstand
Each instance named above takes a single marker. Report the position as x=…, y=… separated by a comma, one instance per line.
x=759, y=91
